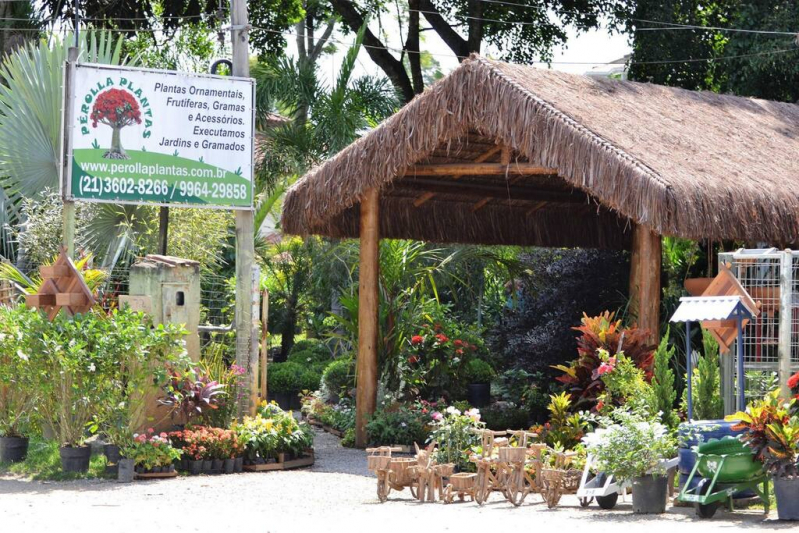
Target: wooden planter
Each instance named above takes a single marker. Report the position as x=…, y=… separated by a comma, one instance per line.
x=283, y=464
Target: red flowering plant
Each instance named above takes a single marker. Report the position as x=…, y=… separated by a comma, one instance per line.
x=205, y=443
x=116, y=108
x=433, y=360
x=793, y=385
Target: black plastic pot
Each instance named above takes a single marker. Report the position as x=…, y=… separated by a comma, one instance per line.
x=650, y=494
x=217, y=465
x=283, y=399
x=75, y=459
x=195, y=467
x=478, y=394
x=126, y=470
x=111, y=452
x=786, y=490
x=13, y=449
x=239, y=465
x=229, y=466
x=208, y=465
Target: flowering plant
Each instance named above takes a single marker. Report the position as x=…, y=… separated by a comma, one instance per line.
x=151, y=450
x=629, y=445
x=433, y=360
x=201, y=442
x=455, y=436
x=18, y=390
x=624, y=384
x=270, y=432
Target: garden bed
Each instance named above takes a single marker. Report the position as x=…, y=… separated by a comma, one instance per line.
x=283, y=464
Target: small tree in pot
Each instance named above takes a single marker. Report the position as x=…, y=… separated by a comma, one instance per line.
x=18, y=387
x=478, y=377
x=772, y=431
x=632, y=447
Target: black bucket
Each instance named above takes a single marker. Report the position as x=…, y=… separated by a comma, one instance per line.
x=13, y=449
x=111, y=452
x=478, y=394
x=650, y=494
x=786, y=491
x=75, y=459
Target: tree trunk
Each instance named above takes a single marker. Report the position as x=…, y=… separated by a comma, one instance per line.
x=116, y=151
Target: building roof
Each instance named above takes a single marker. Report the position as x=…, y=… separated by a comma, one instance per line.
x=579, y=158
x=700, y=308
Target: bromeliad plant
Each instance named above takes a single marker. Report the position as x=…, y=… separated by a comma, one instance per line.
x=191, y=394
x=772, y=431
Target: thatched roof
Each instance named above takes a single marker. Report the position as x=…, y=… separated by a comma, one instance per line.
x=586, y=156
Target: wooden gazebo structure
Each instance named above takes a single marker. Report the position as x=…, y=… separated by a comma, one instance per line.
x=507, y=154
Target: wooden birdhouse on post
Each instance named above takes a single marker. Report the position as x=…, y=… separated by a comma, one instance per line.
x=63, y=287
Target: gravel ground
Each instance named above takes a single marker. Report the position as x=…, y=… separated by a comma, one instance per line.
x=336, y=494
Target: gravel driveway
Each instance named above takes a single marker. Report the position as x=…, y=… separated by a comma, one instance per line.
x=336, y=494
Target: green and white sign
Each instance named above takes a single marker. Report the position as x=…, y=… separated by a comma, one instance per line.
x=148, y=136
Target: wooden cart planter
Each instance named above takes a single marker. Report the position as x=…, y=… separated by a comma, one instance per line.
x=393, y=473
x=460, y=485
x=283, y=464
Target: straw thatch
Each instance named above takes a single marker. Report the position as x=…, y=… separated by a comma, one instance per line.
x=692, y=164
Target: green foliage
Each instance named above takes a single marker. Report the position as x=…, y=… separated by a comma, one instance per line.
x=18, y=382
x=706, y=382
x=271, y=432
x=564, y=429
x=500, y=417
x=625, y=385
x=339, y=376
x=309, y=352
x=629, y=445
x=400, y=425
x=455, y=437
x=479, y=371
x=286, y=378
x=43, y=463
x=663, y=383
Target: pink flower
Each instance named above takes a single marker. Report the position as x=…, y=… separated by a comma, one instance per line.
x=150, y=431
x=604, y=368
x=437, y=416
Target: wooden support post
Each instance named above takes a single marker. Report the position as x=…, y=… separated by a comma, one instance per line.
x=163, y=229
x=366, y=373
x=645, y=280
x=264, y=341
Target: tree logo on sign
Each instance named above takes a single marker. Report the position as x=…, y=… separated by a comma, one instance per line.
x=115, y=108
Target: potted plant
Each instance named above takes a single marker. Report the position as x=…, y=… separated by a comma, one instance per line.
x=454, y=435
x=633, y=447
x=772, y=431
x=152, y=453
x=191, y=394
x=285, y=381
x=478, y=377
x=18, y=388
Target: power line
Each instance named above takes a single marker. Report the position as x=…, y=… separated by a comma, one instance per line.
x=401, y=51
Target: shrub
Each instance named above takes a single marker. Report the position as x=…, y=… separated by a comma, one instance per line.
x=628, y=445
x=454, y=434
x=311, y=378
x=398, y=425
x=309, y=351
x=663, y=382
x=564, y=429
x=624, y=384
x=339, y=376
x=501, y=416
x=18, y=390
x=603, y=332
x=286, y=377
x=479, y=371
x=706, y=382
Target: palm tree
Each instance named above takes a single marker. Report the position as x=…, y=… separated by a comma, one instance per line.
x=31, y=125
x=323, y=119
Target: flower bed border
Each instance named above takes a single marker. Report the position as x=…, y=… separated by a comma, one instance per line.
x=282, y=464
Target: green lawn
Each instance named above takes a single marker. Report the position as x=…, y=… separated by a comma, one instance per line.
x=44, y=463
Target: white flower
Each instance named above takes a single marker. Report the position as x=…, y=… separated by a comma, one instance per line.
x=452, y=411
x=404, y=424
x=92, y=368
x=22, y=355
x=474, y=414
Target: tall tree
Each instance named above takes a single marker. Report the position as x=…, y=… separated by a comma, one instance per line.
x=722, y=59
x=522, y=30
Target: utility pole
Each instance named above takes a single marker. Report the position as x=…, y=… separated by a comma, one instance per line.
x=246, y=333
x=68, y=212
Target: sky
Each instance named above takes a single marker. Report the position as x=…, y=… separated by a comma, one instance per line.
x=595, y=46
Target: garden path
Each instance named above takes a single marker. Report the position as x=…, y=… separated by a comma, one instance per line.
x=337, y=494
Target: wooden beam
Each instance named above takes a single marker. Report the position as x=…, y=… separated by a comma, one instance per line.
x=495, y=191
x=485, y=156
x=366, y=371
x=480, y=169
x=536, y=207
x=479, y=205
x=645, y=288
